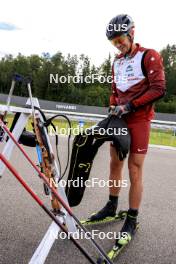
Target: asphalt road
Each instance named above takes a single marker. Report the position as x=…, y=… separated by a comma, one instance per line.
x=23, y=223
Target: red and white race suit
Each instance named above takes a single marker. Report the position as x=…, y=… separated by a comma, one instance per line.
x=138, y=79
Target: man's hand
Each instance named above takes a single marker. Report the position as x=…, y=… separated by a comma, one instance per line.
x=119, y=110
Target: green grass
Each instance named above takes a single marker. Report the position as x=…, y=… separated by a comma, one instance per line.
x=161, y=137
x=157, y=136
x=4, y=103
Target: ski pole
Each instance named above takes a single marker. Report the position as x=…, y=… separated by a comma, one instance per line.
x=42, y=205
x=54, y=192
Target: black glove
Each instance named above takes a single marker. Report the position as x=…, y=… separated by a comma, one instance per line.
x=120, y=110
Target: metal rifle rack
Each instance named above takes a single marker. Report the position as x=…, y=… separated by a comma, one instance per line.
x=50, y=236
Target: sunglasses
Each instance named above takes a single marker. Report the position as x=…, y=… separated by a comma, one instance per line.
x=118, y=40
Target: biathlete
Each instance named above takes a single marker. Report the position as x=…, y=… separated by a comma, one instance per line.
x=138, y=81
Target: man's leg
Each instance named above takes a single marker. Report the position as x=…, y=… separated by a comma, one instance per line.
x=135, y=165
x=139, y=144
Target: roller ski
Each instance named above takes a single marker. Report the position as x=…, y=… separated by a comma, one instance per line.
x=127, y=233
x=105, y=215
x=118, y=217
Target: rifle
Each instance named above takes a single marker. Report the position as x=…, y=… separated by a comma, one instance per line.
x=47, y=158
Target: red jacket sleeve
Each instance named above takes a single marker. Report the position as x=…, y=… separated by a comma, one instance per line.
x=153, y=66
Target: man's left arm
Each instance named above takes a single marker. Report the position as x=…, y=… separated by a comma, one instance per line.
x=155, y=74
